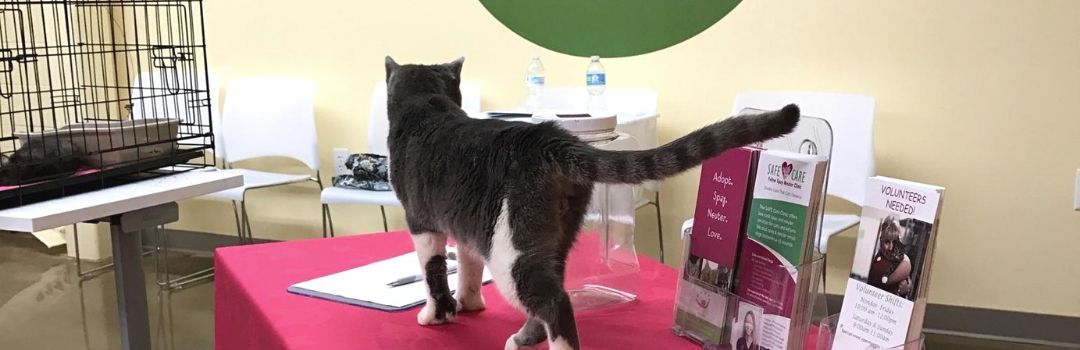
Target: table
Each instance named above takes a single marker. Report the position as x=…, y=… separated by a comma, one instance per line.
x=642, y=125
x=129, y=208
x=252, y=309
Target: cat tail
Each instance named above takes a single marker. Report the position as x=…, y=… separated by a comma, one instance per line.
x=591, y=164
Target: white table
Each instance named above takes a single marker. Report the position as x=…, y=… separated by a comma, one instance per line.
x=129, y=209
x=642, y=126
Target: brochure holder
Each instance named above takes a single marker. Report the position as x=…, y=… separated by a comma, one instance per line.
x=826, y=328
x=611, y=278
x=707, y=314
x=812, y=136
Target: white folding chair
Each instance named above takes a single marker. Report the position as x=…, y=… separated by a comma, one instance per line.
x=378, y=130
x=174, y=94
x=470, y=97
x=193, y=99
x=267, y=117
x=169, y=94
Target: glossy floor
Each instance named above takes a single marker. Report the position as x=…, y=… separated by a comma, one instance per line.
x=43, y=305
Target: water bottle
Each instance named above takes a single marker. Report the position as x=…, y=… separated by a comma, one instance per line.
x=534, y=82
x=595, y=83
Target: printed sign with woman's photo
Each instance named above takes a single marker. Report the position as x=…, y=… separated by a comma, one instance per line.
x=893, y=261
x=886, y=293
x=746, y=327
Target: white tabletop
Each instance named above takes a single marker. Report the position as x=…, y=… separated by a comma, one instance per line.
x=116, y=200
x=640, y=125
x=621, y=118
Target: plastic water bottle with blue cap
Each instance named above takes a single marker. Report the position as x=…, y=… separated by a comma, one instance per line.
x=534, y=82
x=595, y=84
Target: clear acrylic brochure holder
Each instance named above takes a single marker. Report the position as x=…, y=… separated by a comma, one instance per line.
x=716, y=319
x=812, y=136
x=611, y=277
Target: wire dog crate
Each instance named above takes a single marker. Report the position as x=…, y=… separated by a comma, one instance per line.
x=95, y=93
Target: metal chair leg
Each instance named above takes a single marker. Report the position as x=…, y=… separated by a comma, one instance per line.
x=190, y=279
x=161, y=259
x=163, y=281
x=247, y=222
x=324, y=231
x=824, y=270
x=385, y=227
x=239, y=227
x=83, y=275
x=659, y=225
x=94, y=272
x=330, y=220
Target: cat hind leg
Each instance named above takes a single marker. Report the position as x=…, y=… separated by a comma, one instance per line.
x=546, y=300
x=470, y=279
x=440, y=306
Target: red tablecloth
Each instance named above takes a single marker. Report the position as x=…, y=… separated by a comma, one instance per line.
x=252, y=310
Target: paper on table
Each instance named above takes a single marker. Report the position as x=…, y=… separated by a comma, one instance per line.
x=367, y=285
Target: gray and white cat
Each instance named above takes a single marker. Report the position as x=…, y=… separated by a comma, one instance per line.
x=513, y=194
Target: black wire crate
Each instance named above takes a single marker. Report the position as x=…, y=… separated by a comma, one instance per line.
x=98, y=93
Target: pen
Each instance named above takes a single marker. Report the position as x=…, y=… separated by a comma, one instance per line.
x=416, y=278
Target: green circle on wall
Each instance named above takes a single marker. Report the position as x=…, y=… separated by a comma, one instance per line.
x=608, y=28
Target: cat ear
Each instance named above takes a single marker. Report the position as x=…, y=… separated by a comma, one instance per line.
x=455, y=66
x=390, y=66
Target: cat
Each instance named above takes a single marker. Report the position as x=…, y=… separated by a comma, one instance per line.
x=39, y=158
x=513, y=194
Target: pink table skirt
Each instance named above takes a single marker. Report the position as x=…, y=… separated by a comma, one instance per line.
x=252, y=310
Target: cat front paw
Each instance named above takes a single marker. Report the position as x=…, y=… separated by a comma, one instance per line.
x=437, y=312
x=470, y=301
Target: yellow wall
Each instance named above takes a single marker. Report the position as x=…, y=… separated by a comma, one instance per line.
x=977, y=96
